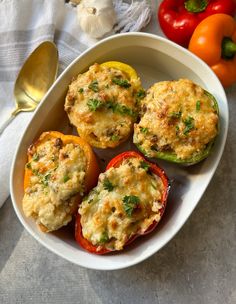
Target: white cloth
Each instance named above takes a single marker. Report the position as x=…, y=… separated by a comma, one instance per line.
x=24, y=25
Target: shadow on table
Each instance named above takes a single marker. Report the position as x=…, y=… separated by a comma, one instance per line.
x=10, y=231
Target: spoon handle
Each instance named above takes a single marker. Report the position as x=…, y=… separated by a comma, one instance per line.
x=8, y=120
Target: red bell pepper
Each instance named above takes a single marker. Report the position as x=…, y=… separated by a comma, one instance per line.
x=116, y=162
x=179, y=18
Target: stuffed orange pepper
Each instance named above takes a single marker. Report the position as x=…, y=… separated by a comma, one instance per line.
x=60, y=170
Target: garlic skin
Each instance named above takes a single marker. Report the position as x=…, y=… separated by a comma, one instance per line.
x=96, y=18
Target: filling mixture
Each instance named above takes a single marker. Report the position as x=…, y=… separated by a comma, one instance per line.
x=57, y=174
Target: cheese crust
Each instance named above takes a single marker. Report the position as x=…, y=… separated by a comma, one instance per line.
x=126, y=201
x=101, y=103
x=176, y=116
x=57, y=179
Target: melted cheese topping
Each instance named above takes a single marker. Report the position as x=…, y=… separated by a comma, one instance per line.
x=125, y=202
x=58, y=174
x=101, y=104
x=176, y=116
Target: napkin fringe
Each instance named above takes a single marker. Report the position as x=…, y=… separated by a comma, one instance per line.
x=131, y=17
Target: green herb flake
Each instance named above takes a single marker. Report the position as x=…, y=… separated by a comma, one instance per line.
x=177, y=130
x=130, y=202
x=115, y=137
x=144, y=130
x=81, y=90
x=94, y=86
x=104, y=238
x=123, y=110
x=28, y=165
x=94, y=104
x=65, y=178
x=154, y=186
x=35, y=157
x=175, y=115
x=121, y=82
x=198, y=105
x=35, y=172
x=189, y=125
x=144, y=165
x=140, y=94
x=120, y=109
x=108, y=185
x=46, y=178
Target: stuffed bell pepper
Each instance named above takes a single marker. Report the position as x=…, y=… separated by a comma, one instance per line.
x=103, y=103
x=128, y=201
x=60, y=170
x=178, y=122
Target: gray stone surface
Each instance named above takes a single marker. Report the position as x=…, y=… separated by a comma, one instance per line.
x=197, y=266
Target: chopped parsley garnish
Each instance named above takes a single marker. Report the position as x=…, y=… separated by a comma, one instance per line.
x=115, y=137
x=94, y=104
x=175, y=114
x=140, y=94
x=130, y=203
x=144, y=130
x=81, y=90
x=104, y=237
x=28, y=165
x=144, y=165
x=108, y=185
x=198, y=105
x=94, y=86
x=121, y=82
x=154, y=186
x=65, y=178
x=121, y=109
x=36, y=172
x=46, y=178
x=177, y=130
x=35, y=157
x=189, y=124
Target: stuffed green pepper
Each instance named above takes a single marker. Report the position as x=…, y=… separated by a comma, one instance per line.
x=179, y=122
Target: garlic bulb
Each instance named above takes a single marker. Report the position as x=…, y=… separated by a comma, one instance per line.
x=96, y=18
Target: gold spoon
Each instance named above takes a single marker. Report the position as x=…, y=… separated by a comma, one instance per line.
x=34, y=79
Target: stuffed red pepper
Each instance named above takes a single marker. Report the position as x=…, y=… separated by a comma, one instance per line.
x=128, y=201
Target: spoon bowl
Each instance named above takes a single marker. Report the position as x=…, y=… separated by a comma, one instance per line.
x=34, y=79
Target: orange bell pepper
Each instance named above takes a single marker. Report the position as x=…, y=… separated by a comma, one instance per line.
x=92, y=170
x=214, y=41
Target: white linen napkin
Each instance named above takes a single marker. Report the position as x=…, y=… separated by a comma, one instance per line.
x=24, y=25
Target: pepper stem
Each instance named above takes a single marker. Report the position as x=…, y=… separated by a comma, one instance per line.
x=228, y=48
x=195, y=6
